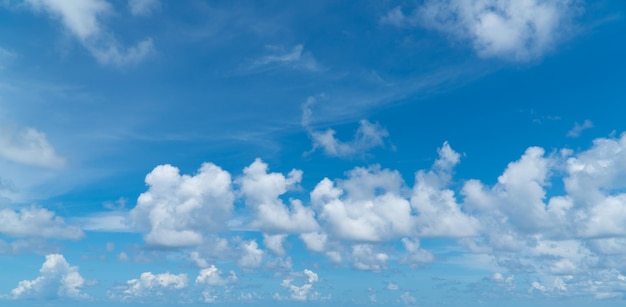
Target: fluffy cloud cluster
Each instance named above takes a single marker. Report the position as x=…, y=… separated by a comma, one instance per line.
x=57, y=280
x=262, y=191
x=83, y=19
x=509, y=29
x=212, y=276
x=149, y=284
x=178, y=209
x=520, y=222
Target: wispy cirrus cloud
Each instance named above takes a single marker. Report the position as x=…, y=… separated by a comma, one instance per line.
x=83, y=19
x=296, y=58
x=143, y=7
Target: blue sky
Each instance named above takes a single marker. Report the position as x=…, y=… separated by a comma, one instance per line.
x=321, y=153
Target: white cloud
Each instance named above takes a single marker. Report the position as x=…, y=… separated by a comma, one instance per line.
x=114, y=55
x=143, y=7
x=84, y=20
x=579, y=128
x=521, y=224
x=252, y=256
x=178, y=209
x=367, y=206
x=199, y=261
x=212, y=276
x=509, y=29
x=368, y=136
x=416, y=255
x=304, y=292
x=28, y=146
x=105, y=222
x=392, y=286
x=407, y=298
x=123, y=257
x=149, y=284
x=364, y=257
x=439, y=213
x=36, y=222
x=314, y=241
x=262, y=191
x=275, y=243
x=296, y=58
x=57, y=279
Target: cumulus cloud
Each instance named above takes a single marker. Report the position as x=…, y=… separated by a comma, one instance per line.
x=508, y=29
x=197, y=260
x=36, y=222
x=143, y=7
x=83, y=19
x=365, y=257
x=262, y=191
x=521, y=222
x=178, y=209
x=57, y=279
x=415, y=254
x=314, y=241
x=149, y=284
x=304, y=292
x=374, y=204
x=252, y=255
x=28, y=146
x=212, y=276
x=368, y=136
x=579, y=128
x=275, y=243
x=367, y=206
x=440, y=214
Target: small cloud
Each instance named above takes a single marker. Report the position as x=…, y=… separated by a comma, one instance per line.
x=212, y=276
x=304, y=292
x=579, y=128
x=407, y=298
x=275, y=243
x=36, y=222
x=28, y=146
x=123, y=257
x=392, y=286
x=116, y=205
x=143, y=7
x=296, y=59
x=106, y=222
x=252, y=255
x=368, y=136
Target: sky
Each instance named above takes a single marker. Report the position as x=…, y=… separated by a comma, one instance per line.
x=319, y=153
